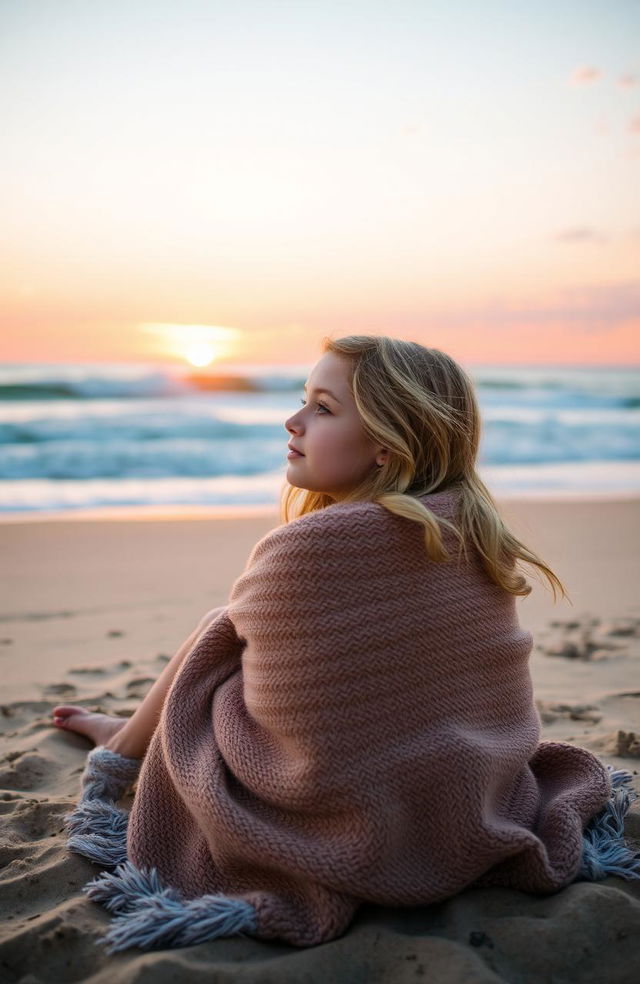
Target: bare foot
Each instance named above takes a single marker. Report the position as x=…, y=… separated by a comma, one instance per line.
x=100, y=728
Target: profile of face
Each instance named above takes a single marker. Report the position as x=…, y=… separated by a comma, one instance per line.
x=329, y=449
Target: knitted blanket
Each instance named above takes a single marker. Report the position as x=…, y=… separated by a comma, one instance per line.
x=357, y=725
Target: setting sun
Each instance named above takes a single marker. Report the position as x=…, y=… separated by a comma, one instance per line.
x=200, y=354
x=199, y=345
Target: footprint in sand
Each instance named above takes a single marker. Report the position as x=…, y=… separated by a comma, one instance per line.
x=136, y=687
x=25, y=772
x=621, y=627
x=29, y=820
x=12, y=756
x=34, y=885
x=61, y=690
x=23, y=716
x=590, y=639
x=627, y=744
x=550, y=712
x=139, y=686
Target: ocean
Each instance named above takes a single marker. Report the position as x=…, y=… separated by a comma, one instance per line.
x=78, y=437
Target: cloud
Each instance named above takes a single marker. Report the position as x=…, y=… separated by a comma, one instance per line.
x=604, y=302
x=577, y=311
x=627, y=81
x=589, y=308
x=634, y=124
x=580, y=234
x=584, y=309
x=585, y=75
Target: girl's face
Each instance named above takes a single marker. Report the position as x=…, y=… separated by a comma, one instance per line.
x=331, y=452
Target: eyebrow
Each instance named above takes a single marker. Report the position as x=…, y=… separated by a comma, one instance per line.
x=323, y=390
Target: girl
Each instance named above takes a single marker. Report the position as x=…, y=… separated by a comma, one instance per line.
x=358, y=723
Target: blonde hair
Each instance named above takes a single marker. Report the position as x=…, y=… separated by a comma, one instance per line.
x=420, y=405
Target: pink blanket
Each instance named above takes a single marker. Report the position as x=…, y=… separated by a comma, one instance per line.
x=358, y=725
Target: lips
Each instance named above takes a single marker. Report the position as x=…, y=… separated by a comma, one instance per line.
x=293, y=452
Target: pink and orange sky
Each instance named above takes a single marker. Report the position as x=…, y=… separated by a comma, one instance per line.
x=250, y=176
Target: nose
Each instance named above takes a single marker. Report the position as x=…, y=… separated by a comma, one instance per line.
x=294, y=423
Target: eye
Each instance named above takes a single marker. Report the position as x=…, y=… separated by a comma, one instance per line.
x=321, y=407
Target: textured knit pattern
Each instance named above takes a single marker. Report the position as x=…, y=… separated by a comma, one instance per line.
x=358, y=725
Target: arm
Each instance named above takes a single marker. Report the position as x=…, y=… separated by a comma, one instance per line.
x=133, y=738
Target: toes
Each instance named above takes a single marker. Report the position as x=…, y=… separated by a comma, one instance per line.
x=82, y=724
x=66, y=710
x=72, y=718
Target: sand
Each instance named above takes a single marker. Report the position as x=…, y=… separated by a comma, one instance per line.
x=90, y=611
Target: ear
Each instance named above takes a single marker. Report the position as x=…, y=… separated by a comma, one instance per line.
x=382, y=457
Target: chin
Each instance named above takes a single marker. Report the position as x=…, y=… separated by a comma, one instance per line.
x=295, y=482
x=299, y=483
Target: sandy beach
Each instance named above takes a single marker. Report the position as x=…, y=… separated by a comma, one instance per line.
x=93, y=607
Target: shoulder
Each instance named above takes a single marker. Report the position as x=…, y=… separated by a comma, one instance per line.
x=318, y=557
x=356, y=529
x=444, y=505
x=352, y=523
x=340, y=526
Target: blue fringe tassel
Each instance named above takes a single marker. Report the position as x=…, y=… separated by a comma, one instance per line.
x=605, y=850
x=149, y=915
x=108, y=775
x=98, y=830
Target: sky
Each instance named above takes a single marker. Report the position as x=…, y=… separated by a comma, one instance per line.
x=207, y=179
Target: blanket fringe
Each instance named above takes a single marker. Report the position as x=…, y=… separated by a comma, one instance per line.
x=147, y=914
x=605, y=851
x=108, y=775
x=97, y=828
x=98, y=831
x=150, y=915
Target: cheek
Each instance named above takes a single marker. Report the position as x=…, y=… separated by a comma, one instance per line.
x=343, y=451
